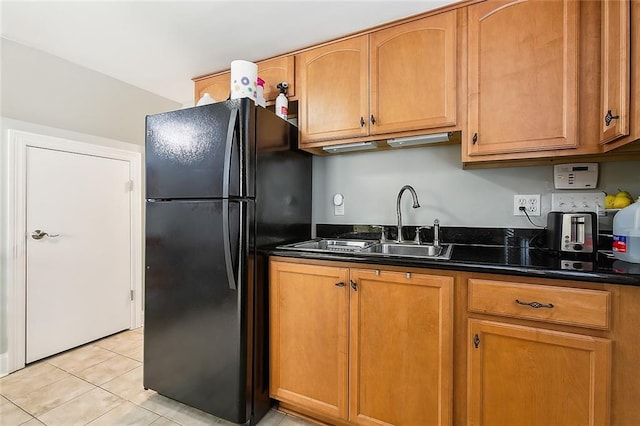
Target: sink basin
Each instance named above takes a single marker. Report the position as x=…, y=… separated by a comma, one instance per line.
x=373, y=248
x=349, y=246
x=410, y=250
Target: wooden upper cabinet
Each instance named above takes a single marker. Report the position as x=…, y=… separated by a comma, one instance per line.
x=217, y=86
x=274, y=71
x=333, y=91
x=614, y=106
x=400, y=79
x=522, y=76
x=536, y=376
x=413, y=75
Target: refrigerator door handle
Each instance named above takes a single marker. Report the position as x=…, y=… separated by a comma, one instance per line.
x=226, y=242
x=231, y=130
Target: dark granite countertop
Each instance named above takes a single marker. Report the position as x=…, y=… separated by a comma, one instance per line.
x=501, y=260
x=516, y=257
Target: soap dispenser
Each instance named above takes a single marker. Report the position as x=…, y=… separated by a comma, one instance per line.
x=282, y=103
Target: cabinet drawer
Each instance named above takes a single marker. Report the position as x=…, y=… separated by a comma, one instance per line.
x=579, y=307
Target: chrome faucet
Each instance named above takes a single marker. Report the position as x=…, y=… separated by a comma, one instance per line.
x=415, y=206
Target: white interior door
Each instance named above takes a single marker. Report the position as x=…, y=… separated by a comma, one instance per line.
x=78, y=276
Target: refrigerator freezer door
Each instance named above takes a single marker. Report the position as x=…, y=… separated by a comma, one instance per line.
x=197, y=329
x=198, y=152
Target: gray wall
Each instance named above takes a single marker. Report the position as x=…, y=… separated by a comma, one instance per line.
x=370, y=183
x=44, y=94
x=44, y=89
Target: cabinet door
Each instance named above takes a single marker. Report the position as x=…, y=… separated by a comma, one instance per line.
x=333, y=91
x=614, y=106
x=523, y=77
x=400, y=348
x=308, y=336
x=217, y=86
x=537, y=376
x=413, y=75
x=274, y=71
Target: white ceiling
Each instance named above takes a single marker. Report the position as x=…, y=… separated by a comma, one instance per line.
x=160, y=45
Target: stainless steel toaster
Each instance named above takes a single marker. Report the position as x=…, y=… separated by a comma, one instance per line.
x=572, y=232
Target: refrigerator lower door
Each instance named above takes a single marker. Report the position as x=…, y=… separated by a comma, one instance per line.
x=198, y=312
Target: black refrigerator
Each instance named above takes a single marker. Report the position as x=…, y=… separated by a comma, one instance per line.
x=223, y=181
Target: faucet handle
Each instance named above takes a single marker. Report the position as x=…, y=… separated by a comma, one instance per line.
x=416, y=239
x=383, y=237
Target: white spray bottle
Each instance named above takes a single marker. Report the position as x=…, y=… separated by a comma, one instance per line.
x=282, y=103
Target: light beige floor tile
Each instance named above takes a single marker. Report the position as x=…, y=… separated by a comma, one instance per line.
x=129, y=386
x=29, y=379
x=81, y=358
x=108, y=370
x=294, y=421
x=134, y=352
x=272, y=418
x=33, y=422
x=121, y=342
x=186, y=415
x=138, y=330
x=52, y=395
x=163, y=421
x=121, y=346
x=81, y=410
x=126, y=414
x=11, y=414
x=158, y=404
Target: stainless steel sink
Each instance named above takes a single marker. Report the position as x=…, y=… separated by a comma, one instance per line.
x=411, y=250
x=374, y=248
x=349, y=246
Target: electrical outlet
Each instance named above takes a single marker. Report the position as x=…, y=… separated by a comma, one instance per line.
x=530, y=202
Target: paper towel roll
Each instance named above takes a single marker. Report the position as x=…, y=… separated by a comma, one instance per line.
x=244, y=75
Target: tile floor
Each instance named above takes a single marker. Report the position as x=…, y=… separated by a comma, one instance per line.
x=100, y=384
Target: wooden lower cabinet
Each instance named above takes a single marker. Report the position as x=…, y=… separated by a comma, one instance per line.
x=387, y=345
x=362, y=346
x=533, y=376
x=309, y=336
x=400, y=348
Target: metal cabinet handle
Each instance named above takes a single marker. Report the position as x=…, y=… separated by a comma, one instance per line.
x=609, y=117
x=475, y=138
x=362, y=122
x=373, y=119
x=536, y=305
x=340, y=284
x=354, y=285
x=38, y=235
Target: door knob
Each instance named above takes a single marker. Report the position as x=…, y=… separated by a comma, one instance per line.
x=38, y=235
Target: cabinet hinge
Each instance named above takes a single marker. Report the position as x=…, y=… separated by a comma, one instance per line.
x=476, y=341
x=132, y=295
x=130, y=185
